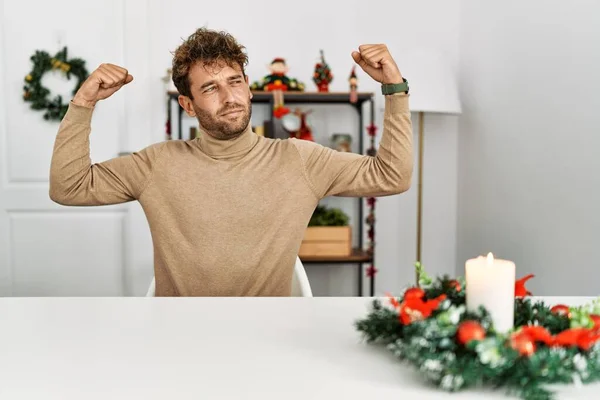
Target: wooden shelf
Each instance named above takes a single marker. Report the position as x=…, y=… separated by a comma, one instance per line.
x=357, y=256
x=305, y=97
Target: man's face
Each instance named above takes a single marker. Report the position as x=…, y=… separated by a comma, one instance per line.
x=221, y=100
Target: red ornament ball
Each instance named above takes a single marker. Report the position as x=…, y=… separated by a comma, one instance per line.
x=561, y=309
x=523, y=343
x=454, y=284
x=414, y=293
x=469, y=330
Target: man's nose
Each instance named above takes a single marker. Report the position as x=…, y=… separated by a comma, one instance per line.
x=227, y=94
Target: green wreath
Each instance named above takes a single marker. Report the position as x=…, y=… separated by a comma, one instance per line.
x=39, y=96
x=454, y=348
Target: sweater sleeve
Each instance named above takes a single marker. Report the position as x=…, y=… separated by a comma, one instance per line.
x=333, y=173
x=75, y=181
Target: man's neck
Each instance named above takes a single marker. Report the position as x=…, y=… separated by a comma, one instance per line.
x=227, y=148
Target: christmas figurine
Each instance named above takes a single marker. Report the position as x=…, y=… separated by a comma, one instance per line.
x=278, y=82
x=353, y=80
x=322, y=76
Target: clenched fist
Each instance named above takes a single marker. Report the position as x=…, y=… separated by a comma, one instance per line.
x=101, y=84
x=376, y=60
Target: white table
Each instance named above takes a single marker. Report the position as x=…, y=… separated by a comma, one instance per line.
x=205, y=348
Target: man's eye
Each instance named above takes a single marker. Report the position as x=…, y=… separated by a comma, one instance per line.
x=237, y=81
x=209, y=89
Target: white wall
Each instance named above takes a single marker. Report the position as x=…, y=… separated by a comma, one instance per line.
x=339, y=30
x=529, y=165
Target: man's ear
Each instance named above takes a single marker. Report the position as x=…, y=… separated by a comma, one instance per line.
x=186, y=103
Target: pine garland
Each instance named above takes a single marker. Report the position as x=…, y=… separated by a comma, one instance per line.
x=38, y=95
x=521, y=363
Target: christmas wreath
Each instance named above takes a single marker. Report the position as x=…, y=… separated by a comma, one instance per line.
x=430, y=328
x=38, y=95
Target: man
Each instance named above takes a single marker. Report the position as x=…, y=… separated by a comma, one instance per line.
x=228, y=210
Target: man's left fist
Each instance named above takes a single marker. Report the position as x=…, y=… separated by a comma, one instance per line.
x=376, y=60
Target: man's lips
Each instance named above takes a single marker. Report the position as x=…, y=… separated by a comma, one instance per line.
x=232, y=112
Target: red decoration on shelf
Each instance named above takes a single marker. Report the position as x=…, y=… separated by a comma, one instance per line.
x=371, y=233
x=372, y=130
x=280, y=111
x=323, y=87
x=322, y=76
x=371, y=151
x=371, y=271
x=168, y=129
x=469, y=330
x=520, y=289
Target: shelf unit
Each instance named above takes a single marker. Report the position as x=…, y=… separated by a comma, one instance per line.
x=359, y=256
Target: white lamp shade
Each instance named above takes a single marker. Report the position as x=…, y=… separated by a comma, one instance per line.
x=432, y=81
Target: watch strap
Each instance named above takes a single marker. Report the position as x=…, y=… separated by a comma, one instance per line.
x=391, y=88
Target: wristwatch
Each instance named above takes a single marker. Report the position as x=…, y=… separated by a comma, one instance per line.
x=391, y=88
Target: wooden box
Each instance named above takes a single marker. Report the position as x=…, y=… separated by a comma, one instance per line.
x=326, y=241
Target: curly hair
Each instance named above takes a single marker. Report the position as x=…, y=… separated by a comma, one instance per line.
x=210, y=48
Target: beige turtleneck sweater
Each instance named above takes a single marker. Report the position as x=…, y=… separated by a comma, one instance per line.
x=227, y=217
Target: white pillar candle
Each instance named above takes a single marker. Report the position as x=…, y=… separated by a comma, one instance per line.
x=491, y=283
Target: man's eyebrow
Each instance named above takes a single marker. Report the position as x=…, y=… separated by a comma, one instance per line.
x=231, y=78
x=207, y=84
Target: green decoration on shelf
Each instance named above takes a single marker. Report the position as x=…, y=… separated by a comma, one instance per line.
x=455, y=348
x=38, y=95
x=324, y=216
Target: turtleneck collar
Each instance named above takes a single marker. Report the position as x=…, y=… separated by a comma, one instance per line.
x=232, y=148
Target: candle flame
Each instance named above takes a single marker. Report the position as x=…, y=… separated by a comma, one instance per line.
x=490, y=259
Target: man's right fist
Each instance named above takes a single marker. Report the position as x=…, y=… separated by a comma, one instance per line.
x=101, y=84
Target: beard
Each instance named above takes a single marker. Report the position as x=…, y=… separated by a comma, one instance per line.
x=225, y=127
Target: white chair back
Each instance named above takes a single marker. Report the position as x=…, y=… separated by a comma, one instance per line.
x=300, y=283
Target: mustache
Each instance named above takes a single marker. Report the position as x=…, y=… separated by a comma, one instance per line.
x=238, y=107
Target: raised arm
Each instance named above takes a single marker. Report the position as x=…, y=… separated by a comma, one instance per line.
x=74, y=180
x=330, y=172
